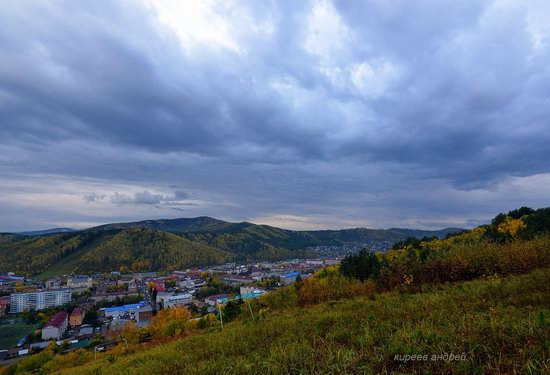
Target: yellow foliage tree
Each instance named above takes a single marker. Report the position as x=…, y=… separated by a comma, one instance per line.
x=511, y=226
x=169, y=322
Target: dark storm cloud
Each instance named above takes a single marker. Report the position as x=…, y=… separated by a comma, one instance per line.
x=90, y=198
x=380, y=110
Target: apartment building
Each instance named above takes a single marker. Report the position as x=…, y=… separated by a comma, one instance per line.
x=39, y=300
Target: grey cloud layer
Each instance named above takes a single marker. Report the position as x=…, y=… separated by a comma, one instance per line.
x=346, y=109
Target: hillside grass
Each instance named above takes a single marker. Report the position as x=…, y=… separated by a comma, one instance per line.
x=10, y=334
x=500, y=325
x=68, y=264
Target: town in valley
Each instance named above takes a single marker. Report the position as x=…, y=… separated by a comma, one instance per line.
x=90, y=311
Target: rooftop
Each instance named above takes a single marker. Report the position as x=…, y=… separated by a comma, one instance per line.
x=217, y=296
x=178, y=296
x=57, y=320
x=77, y=311
x=291, y=274
x=125, y=308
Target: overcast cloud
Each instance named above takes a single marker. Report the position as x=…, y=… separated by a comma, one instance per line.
x=292, y=113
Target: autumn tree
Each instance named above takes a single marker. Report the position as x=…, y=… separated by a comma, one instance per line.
x=169, y=322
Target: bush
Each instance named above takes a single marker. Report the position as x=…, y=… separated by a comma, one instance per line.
x=314, y=290
x=33, y=362
x=464, y=257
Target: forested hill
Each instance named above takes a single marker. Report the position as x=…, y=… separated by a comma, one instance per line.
x=175, y=244
x=481, y=295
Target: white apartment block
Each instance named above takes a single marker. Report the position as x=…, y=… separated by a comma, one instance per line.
x=39, y=300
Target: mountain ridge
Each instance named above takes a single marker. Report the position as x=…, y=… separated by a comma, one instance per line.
x=166, y=244
x=190, y=226
x=44, y=231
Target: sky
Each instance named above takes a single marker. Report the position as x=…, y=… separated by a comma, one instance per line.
x=298, y=114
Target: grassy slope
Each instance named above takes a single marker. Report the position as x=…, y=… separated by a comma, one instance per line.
x=10, y=334
x=68, y=264
x=502, y=324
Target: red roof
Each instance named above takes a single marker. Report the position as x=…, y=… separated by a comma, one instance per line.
x=5, y=301
x=57, y=319
x=159, y=287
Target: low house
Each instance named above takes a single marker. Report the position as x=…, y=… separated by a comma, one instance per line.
x=111, y=296
x=55, y=283
x=250, y=292
x=76, y=317
x=186, y=284
x=237, y=279
x=257, y=275
x=144, y=275
x=216, y=299
x=79, y=283
x=86, y=331
x=314, y=262
x=177, y=300
x=56, y=326
x=129, y=283
x=248, y=289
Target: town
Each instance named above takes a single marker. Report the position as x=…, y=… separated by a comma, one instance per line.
x=89, y=311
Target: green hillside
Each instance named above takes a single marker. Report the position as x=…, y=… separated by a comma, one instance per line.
x=70, y=264
x=144, y=249
x=496, y=325
x=173, y=243
x=183, y=225
x=31, y=255
x=476, y=302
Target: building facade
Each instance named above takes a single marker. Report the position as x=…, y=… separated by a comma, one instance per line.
x=177, y=300
x=39, y=300
x=56, y=326
x=80, y=283
x=53, y=283
x=76, y=317
x=217, y=299
x=144, y=316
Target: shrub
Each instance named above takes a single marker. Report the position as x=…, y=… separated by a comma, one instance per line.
x=458, y=258
x=314, y=289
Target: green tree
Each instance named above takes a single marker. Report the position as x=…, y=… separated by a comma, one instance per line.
x=362, y=266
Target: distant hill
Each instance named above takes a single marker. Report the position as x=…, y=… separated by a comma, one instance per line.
x=442, y=233
x=169, y=244
x=183, y=225
x=46, y=231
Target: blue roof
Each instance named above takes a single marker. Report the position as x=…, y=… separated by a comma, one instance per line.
x=125, y=308
x=250, y=295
